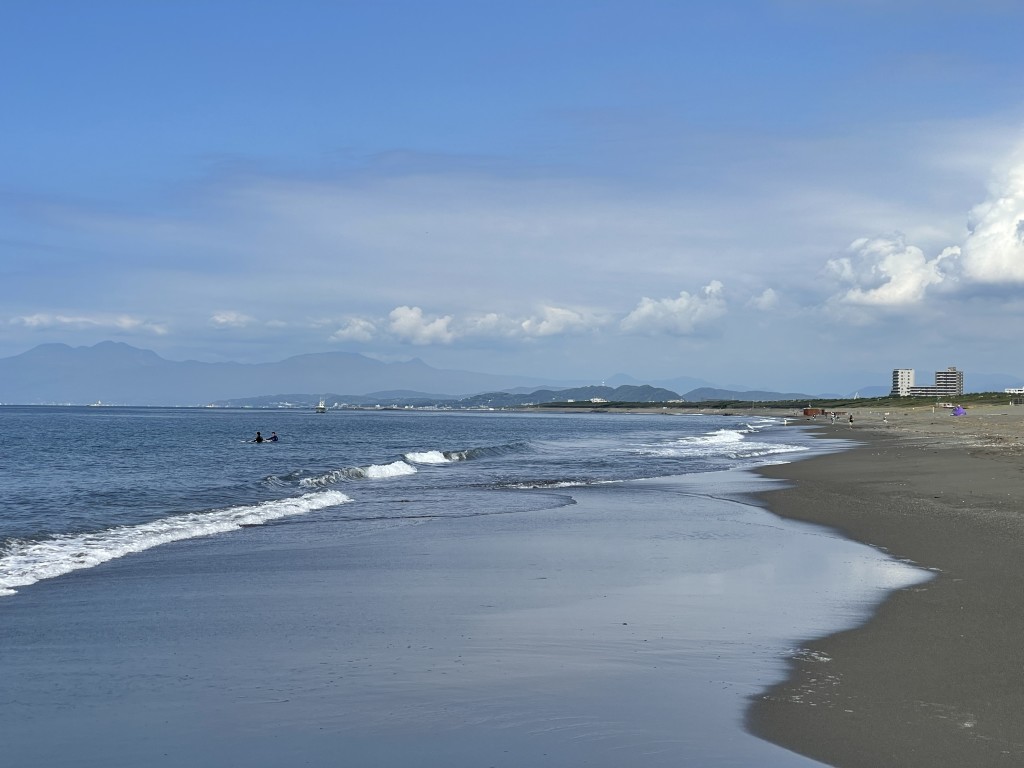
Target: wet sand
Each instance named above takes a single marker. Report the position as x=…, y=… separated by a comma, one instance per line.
x=936, y=678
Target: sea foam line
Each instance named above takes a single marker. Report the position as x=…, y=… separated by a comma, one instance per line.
x=729, y=443
x=26, y=562
x=533, y=485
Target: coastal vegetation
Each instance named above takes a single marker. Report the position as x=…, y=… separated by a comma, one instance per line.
x=826, y=404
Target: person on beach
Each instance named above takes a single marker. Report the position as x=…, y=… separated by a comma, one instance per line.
x=259, y=438
x=273, y=437
x=851, y=421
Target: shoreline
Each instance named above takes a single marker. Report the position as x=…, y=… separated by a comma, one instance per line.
x=936, y=676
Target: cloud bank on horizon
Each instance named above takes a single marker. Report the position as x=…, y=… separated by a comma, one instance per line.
x=776, y=193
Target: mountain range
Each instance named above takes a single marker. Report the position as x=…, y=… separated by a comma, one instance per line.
x=115, y=373
x=119, y=374
x=626, y=393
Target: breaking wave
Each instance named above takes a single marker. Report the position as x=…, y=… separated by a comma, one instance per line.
x=448, y=457
x=24, y=562
x=370, y=472
x=435, y=457
x=725, y=443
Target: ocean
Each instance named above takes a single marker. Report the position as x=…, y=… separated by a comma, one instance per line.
x=404, y=587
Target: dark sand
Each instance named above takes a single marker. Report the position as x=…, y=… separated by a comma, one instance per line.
x=936, y=678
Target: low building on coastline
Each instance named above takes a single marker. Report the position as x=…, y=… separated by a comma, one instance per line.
x=948, y=383
x=1016, y=395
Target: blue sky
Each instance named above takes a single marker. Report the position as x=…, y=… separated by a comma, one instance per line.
x=791, y=195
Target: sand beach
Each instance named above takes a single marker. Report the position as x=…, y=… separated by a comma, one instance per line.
x=936, y=677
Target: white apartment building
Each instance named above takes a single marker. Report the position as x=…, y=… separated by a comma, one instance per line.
x=902, y=381
x=948, y=383
x=951, y=380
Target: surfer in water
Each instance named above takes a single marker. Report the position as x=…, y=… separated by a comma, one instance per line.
x=259, y=438
x=273, y=437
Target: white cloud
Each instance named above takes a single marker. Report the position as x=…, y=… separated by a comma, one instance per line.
x=356, y=329
x=408, y=324
x=230, y=319
x=994, y=250
x=490, y=324
x=679, y=316
x=43, y=321
x=766, y=301
x=886, y=272
x=555, y=321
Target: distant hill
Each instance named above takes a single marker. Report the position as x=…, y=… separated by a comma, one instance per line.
x=624, y=394
x=990, y=382
x=710, y=393
x=677, y=384
x=873, y=391
x=119, y=374
x=332, y=399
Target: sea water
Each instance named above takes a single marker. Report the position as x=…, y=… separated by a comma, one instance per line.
x=629, y=501
x=81, y=486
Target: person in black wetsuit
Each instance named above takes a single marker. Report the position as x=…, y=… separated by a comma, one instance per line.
x=273, y=437
x=259, y=438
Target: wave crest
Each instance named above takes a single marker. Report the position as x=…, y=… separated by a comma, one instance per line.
x=26, y=562
x=370, y=472
x=429, y=457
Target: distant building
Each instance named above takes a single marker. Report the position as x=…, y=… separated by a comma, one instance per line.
x=950, y=380
x=948, y=383
x=902, y=381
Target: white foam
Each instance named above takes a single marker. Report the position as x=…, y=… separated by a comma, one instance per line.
x=722, y=436
x=394, y=469
x=529, y=485
x=427, y=457
x=763, y=449
x=26, y=562
x=697, y=445
x=730, y=443
x=371, y=472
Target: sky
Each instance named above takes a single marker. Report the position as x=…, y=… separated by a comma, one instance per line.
x=798, y=195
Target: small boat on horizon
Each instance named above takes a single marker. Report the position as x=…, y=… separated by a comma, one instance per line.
x=321, y=406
